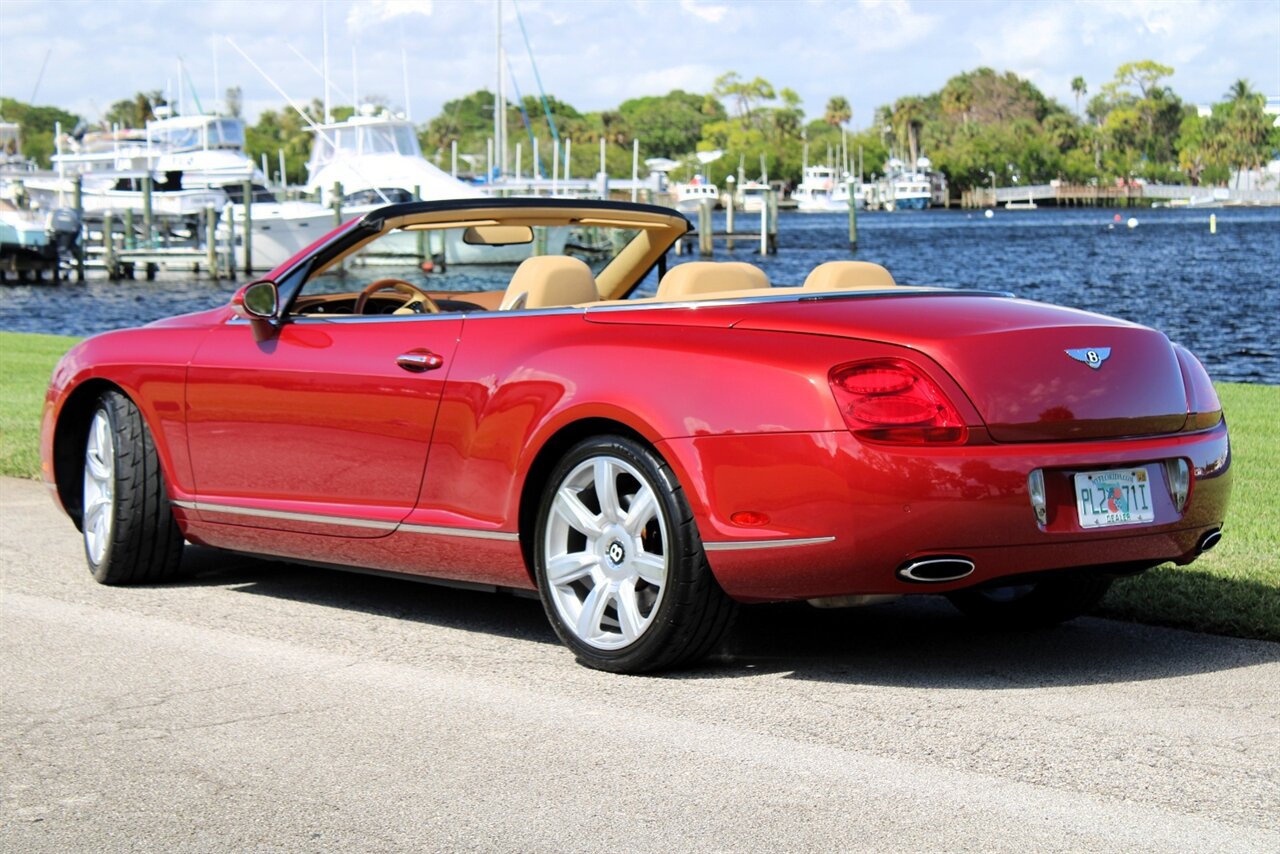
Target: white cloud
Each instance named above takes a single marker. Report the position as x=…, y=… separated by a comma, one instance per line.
x=712, y=14
x=370, y=12
x=883, y=26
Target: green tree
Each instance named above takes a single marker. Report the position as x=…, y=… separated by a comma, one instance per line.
x=1080, y=88
x=838, y=111
x=747, y=95
x=134, y=112
x=36, y=127
x=670, y=125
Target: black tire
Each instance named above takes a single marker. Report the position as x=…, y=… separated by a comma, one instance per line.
x=1033, y=604
x=668, y=616
x=130, y=536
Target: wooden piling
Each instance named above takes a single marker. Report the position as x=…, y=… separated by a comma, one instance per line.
x=337, y=203
x=422, y=235
x=127, y=243
x=728, y=224
x=247, y=189
x=77, y=201
x=211, y=241
x=772, y=205
x=853, y=220
x=764, y=224
x=705, y=237
x=108, y=246
x=148, y=215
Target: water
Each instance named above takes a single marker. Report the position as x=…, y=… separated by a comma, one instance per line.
x=1219, y=295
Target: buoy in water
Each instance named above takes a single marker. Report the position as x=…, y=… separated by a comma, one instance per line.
x=1116, y=218
x=428, y=267
x=1133, y=222
x=989, y=214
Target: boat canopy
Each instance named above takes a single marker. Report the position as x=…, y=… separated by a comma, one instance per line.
x=191, y=133
x=360, y=139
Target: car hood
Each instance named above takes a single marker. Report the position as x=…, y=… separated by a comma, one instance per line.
x=1024, y=365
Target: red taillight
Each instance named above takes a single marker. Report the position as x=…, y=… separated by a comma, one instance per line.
x=893, y=401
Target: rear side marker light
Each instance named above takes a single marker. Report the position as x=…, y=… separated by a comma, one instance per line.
x=1035, y=489
x=1178, y=473
x=890, y=400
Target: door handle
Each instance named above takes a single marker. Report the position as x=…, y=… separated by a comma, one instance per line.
x=420, y=361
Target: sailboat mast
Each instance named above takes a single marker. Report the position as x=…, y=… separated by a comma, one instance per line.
x=501, y=116
x=404, y=69
x=498, y=147
x=324, y=18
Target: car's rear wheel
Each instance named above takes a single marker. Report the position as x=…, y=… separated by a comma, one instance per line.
x=130, y=536
x=1033, y=604
x=619, y=563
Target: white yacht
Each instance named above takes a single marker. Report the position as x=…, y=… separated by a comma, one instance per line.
x=691, y=195
x=376, y=158
x=207, y=150
x=751, y=195
x=910, y=188
x=821, y=190
x=372, y=152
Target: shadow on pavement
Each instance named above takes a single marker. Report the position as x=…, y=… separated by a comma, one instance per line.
x=915, y=642
x=399, y=598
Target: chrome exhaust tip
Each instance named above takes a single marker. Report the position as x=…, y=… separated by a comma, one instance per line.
x=1209, y=540
x=936, y=570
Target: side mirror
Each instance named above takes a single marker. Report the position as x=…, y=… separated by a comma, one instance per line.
x=257, y=300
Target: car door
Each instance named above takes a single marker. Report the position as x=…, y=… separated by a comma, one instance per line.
x=322, y=427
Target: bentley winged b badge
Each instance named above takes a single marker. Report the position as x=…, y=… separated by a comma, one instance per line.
x=1093, y=357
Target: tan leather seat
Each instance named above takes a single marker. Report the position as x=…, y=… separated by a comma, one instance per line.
x=849, y=276
x=549, y=281
x=695, y=279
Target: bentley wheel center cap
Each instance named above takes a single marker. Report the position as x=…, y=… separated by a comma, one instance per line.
x=617, y=554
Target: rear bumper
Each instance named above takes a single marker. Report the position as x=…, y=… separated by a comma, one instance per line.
x=885, y=506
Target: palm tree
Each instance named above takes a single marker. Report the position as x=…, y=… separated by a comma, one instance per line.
x=1080, y=88
x=838, y=111
x=908, y=120
x=1240, y=91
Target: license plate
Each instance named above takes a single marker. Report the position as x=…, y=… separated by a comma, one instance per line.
x=1115, y=497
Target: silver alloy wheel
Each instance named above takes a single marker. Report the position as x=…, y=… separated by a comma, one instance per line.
x=606, y=552
x=99, y=487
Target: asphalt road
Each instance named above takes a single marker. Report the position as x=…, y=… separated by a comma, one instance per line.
x=259, y=706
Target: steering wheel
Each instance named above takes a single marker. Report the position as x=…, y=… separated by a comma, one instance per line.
x=417, y=300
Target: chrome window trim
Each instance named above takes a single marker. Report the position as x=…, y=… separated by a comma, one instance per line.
x=737, y=545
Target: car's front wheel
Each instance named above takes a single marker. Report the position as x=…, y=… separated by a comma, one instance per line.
x=619, y=563
x=130, y=536
x=1033, y=604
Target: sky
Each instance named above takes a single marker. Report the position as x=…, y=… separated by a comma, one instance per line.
x=594, y=54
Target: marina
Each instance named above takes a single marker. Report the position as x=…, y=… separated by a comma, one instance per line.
x=1213, y=292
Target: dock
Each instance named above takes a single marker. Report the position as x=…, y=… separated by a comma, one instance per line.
x=1128, y=194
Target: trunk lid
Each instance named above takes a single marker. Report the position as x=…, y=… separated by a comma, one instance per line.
x=1024, y=365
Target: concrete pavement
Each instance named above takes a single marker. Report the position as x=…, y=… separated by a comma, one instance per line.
x=260, y=706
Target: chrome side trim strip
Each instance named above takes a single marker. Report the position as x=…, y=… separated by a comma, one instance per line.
x=348, y=521
x=342, y=521
x=473, y=533
x=736, y=545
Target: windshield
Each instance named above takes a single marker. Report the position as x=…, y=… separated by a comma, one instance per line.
x=215, y=133
x=442, y=260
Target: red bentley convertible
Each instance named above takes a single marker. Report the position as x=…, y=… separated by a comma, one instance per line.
x=643, y=463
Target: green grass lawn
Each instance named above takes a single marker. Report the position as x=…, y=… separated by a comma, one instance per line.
x=1234, y=590
x=26, y=361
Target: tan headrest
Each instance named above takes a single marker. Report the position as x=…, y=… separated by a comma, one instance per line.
x=547, y=281
x=848, y=276
x=692, y=278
